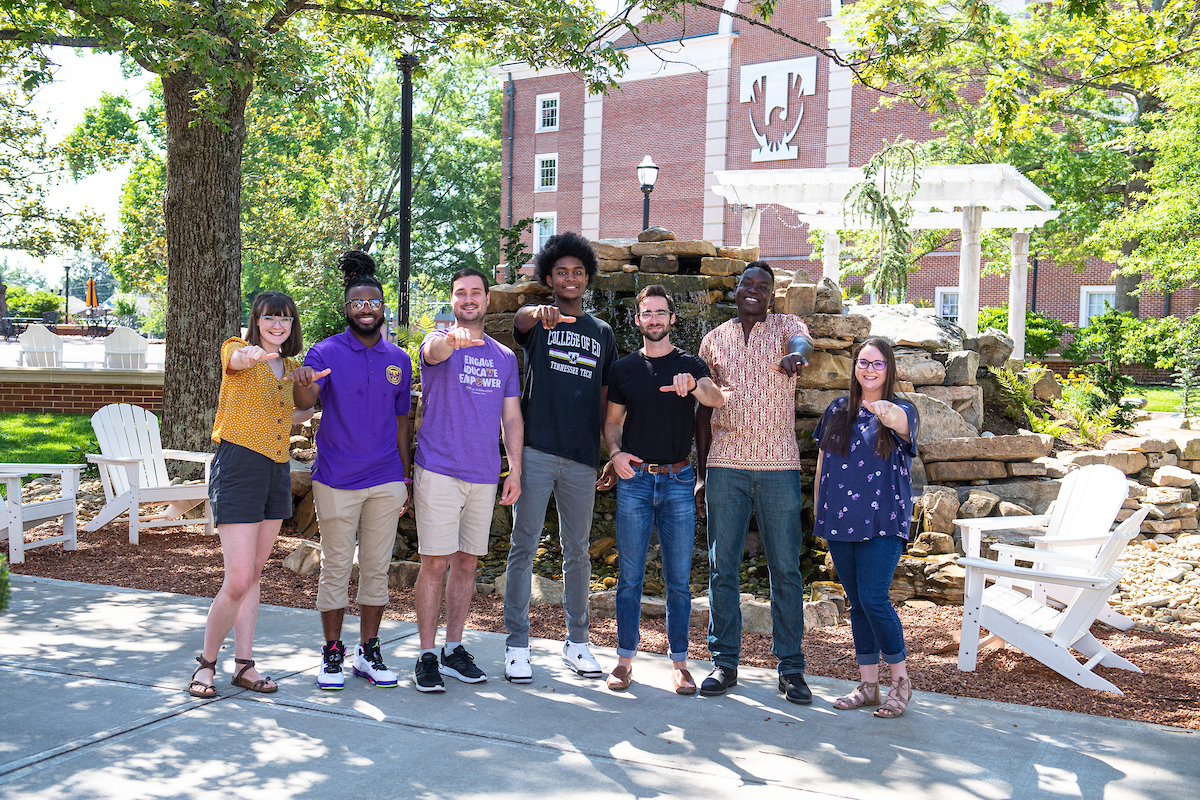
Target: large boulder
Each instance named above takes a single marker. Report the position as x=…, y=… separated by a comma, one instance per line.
x=919, y=369
x=940, y=506
x=673, y=248
x=1036, y=495
x=961, y=471
x=613, y=249
x=966, y=400
x=961, y=366
x=813, y=402
x=993, y=345
x=1142, y=444
x=741, y=253
x=979, y=503
x=657, y=233
x=713, y=265
x=1047, y=387
x=1128, y=462
x=1020, y=447
x=825, y=371
x=905, y=324
x=846, y=327
x=938, y=420
x=829, y=297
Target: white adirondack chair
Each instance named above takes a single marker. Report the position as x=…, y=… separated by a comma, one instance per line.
x=1037, y=629
x=40, y=347
x=17, y=517
x=124, y=348
x=133, y=471
x=1078, y=525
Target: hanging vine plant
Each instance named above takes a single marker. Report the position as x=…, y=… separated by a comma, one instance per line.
x=884, y=197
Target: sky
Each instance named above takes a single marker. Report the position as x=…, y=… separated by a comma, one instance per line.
x=77, y=85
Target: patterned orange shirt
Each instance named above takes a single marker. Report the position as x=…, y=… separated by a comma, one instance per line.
x=756, y=428
x=255, y=408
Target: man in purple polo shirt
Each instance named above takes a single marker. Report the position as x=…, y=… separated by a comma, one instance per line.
x=361, y=470
x=471, y=392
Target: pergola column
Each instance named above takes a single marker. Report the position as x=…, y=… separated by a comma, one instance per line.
x=968, y=270
x=750, y=220
x=831, y=261
x=1016, y=292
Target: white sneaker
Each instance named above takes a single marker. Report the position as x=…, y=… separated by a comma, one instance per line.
x=579, y=658
x=368, y=663
x=516, y=665
x=331, y=676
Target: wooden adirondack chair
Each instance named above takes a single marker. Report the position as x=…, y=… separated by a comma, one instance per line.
x=17, y=517
x=124, y=348
x=1037, y=629
x=1078, y=525
x=133, y=471
x=40, y=347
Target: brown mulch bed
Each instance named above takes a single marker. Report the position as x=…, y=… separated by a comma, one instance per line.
x=184, y=561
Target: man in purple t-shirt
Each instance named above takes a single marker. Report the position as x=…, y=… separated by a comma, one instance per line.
x=471, y=392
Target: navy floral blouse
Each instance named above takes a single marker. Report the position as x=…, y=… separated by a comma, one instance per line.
x=862, y=495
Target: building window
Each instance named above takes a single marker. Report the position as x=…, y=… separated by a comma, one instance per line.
x=546, y=179
x=945, y=302
x=545, y=225
x=1094, y=301
x=547, y=112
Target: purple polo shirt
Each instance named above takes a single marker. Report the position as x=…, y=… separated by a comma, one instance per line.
x=366, y=389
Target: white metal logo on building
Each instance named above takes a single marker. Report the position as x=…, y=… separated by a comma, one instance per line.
x=777, y=86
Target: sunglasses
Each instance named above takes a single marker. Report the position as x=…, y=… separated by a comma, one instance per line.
x=271, y=321
x=359, y=305
x=878, y=366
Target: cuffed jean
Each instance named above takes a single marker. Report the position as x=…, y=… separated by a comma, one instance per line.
x=865, y=570
x=774, y=496
x=574, y=487
x=644, y=502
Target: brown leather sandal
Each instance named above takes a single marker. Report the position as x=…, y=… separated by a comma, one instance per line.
x=200, y=688
x=620, y=678
x=683, y=681
x=865, y=694
x=259, y=685
x=897, y=700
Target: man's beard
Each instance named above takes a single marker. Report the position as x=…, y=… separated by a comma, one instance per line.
x=365, y=330
x=659, y=335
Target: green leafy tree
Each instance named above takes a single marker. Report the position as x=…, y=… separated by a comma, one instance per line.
x=22, y=303
x=1042, y=333
x=210, y=56
x=1109, y=337
x=20, y=276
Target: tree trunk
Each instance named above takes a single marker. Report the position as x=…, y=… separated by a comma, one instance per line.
x=201, y=208
x=1127, y=284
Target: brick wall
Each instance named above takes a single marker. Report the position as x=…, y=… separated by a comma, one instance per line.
x=67, y=391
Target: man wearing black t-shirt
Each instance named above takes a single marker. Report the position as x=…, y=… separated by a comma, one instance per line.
x=567, y=357
x=652, y=396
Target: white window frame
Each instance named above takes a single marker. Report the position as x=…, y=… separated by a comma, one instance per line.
x=538, y=105
x=938, y=294
x=537, y=172
x=1084, y=292
x=538, y=216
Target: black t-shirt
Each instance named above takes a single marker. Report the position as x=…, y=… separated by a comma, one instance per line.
x=658, y=425
x=565, y=369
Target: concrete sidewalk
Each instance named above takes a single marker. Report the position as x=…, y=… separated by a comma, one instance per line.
x=91, y=707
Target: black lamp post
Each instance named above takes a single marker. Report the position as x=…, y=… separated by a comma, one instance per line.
x=647, y=173
x=405, y=64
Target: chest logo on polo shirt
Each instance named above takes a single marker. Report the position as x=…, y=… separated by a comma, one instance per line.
x=394, y=374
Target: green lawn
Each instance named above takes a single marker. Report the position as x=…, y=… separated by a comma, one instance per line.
x=1159, y=398
x=45, y=438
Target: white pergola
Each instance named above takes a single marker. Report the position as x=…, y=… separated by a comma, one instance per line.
x=970, y=197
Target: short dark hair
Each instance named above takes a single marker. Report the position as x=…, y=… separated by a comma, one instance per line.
x=358, y=269
x=467, y=272
x=764, y=266
x=561, y=245
x=276, y=304
x=654, y=290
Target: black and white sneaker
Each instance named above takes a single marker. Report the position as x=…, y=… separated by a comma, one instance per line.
x=331, y=676
x=426, y=676
x=461, y=664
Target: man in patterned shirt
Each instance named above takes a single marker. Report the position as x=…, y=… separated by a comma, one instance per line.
x=749, y=461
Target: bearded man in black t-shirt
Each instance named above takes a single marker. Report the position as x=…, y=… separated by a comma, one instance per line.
x=652, y=396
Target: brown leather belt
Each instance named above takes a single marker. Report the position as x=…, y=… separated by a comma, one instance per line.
x=666, y=469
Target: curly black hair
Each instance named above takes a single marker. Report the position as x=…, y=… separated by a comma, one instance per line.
x=561, y=245
x=358, y=269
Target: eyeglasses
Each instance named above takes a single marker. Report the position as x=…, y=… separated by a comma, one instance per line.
x=878, y=366
x=359, y=305
x=649, y=315
x=272, y=321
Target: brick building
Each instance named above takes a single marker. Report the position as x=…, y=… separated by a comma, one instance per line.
x=694, y=98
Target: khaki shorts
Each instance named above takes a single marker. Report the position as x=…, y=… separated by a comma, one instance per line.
x=339, y=512
x=452, y=515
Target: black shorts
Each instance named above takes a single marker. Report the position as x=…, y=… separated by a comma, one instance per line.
x=247, y=487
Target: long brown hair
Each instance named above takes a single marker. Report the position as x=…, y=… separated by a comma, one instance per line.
x=276, y=304
x=841, y=425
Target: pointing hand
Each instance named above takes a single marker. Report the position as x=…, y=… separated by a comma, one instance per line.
x=304, y=377
x=550, y=316
x=461, y=337
x=681, y=384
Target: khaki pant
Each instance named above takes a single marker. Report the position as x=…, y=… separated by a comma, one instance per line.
x=452, y=515
x=339, y=512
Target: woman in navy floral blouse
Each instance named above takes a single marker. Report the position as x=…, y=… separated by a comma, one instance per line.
x=863, y=507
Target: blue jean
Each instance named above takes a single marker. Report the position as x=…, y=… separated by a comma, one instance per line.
x=774, y=496
x=644, y=502
x=865, y=570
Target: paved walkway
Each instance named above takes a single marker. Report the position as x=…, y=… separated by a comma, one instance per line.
x=91, y=707
x=77, y=349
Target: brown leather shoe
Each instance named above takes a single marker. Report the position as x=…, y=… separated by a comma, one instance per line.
x=620, y=678
x=684, y=683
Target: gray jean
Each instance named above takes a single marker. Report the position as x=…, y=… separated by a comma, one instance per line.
x=574, y=487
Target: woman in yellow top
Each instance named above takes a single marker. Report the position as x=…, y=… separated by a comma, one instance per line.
x=250, y=484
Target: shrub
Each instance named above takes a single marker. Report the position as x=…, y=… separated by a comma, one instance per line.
x=1042, y=333
x=1111, y=336
x=23, y=303
x=1017, y=390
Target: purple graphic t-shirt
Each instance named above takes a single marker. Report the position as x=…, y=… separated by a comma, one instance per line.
x=464, y=398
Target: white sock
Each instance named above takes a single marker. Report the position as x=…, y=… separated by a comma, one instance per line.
x=450, y=647
x=423, y=652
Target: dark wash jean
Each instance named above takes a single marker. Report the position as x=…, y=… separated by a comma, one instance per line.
x=644, y=502
x=865, y=570
x=774, y=496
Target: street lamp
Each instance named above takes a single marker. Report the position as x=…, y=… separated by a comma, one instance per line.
x=406, y=64
x=647, y=173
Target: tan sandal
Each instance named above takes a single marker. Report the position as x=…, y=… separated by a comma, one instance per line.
x=683, y=681
x=865, y=694
x=259, y=685
x=200, y=688
x=620, y=678
x=897, y=700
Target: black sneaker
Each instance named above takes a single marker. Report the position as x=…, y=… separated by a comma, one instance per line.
x=330, y=676
x=460, y=664
x=426, y=676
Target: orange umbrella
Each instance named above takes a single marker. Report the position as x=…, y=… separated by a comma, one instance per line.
x=92, y=302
